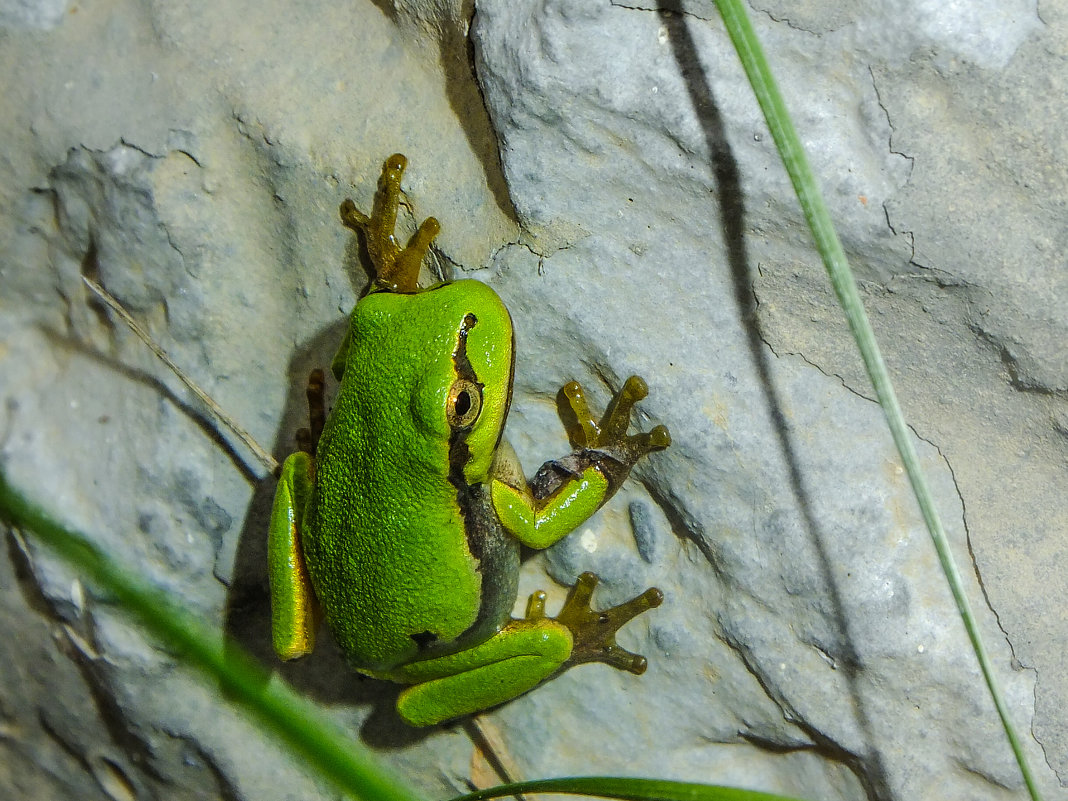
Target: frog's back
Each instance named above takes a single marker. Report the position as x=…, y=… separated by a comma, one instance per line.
x=385, y=536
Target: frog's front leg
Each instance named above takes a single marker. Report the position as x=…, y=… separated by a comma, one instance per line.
x=566, y=492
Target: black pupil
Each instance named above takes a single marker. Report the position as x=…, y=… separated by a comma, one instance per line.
x=463, y=403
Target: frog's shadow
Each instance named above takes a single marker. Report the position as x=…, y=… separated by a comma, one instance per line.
x=323, y=676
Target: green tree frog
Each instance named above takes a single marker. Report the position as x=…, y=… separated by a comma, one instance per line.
x=402, y=524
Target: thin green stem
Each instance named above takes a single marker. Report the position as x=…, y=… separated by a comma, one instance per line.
x=796, y=162
x=629, y=789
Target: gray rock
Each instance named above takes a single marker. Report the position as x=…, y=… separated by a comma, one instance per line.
x=32, y=14
x=611, y=176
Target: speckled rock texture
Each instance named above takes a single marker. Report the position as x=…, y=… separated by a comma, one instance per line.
x=605, y=168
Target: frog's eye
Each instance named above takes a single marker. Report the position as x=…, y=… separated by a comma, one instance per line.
x=464, y=404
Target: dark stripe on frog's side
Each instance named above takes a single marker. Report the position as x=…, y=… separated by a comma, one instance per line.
x=511, y=382
x=472, y=499
x=497, y=552
x=459, y=453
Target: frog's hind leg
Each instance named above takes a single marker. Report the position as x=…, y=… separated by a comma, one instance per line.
x=517, y=659
x=594, y=632
x=396, y=268
x=520, y=656
x=295, y=611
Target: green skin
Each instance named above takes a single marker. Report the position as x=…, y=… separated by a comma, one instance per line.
x=404, y=529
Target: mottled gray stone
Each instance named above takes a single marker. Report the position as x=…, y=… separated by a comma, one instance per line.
x=32, y=14
x=620, y=190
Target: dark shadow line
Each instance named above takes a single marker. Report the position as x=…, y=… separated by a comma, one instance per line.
x=203, y=418
x=868, y=767
x=463, y=92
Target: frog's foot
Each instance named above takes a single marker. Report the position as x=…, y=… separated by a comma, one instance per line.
x=610, y=432
x=601, y=444
x=308, y=438
x=396, y=268
x=594, y=633
x=605, y=442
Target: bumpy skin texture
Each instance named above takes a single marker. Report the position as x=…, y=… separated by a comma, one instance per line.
x=384, y=536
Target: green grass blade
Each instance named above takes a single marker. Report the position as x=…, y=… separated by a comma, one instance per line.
x=313, y=737
x=793, y=155
x=625, y=788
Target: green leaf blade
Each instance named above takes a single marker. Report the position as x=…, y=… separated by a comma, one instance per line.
x=751, y=54
x=629, y=789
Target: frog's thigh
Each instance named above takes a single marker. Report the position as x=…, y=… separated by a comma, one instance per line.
x=521, y=656
x=538, y=524
x=294, y=608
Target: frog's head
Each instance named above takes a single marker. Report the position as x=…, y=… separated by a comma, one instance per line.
x=449, y=364
x=480, y=385
x=448, y=349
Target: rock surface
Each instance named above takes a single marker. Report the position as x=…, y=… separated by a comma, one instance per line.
x=610, y=175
